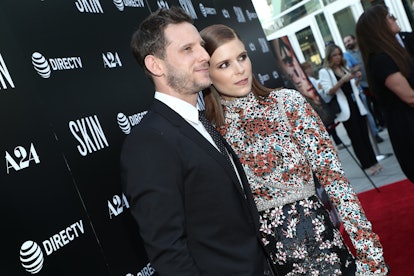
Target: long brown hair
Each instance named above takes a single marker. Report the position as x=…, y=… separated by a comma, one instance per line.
x=214, y=36
x=375, y=36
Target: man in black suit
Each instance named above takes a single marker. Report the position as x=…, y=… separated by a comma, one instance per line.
x=194, y=208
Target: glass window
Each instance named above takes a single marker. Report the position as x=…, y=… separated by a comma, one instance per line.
x=323, y=28
x=409, y=10
x=368, y=3
x=308, y=46
x=345, y=22
x=277, y=14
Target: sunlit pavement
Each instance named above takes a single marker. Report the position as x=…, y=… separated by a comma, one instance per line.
x=385, y=155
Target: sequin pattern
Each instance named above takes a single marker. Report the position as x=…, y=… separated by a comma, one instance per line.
x=279, y=150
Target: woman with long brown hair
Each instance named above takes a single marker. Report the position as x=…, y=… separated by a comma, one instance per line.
x=390, y=72
x=282, y=144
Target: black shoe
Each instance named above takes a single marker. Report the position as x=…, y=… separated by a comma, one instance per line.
x=378, y=139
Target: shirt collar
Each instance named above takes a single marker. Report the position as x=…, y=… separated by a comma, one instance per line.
x=183, y=108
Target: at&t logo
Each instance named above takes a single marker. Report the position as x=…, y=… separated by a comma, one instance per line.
x=43, y=68
x=4, y=74
x=40, y=65
x=126, y=123
x=31, y=254
x=21, y=158
x=31, y=257
x=121, y=4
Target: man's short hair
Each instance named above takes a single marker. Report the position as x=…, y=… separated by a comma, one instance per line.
x=149, y=38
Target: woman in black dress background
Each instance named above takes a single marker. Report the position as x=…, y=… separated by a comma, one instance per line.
x=390, y=72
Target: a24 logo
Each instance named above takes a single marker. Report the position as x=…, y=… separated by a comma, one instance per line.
x=116, y=206
x=21, y=158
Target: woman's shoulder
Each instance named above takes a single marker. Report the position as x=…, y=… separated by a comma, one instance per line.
x=380, y=62
x=286, y=95
x=379, y=58
x=324, y=73
x=283, y=91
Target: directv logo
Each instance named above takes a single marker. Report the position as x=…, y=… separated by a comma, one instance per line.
x=31, y=254
x=44, y=68
x=121, y=4
x=40, y=65
x=31, y=257
x=205, y=11
x=126, y=123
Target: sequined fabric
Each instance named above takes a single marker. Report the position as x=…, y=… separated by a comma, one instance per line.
x=301, y=240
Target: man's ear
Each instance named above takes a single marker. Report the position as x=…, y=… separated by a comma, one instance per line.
x=153, y=65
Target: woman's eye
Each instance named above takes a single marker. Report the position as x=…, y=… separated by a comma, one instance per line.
x=243, y=57
x=223, y=65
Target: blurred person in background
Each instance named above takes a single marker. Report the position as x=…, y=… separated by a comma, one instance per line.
x=329, y=123
x=336, y=79
x=390, y=72
x=374, y=113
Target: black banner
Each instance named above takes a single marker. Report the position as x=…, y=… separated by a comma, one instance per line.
x=70, y=91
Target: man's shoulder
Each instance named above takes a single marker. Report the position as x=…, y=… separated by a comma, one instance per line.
x=350, y=57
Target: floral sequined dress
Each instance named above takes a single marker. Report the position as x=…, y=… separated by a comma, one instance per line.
x=281, y=143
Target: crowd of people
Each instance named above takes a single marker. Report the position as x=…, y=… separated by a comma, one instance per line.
x=378, y=62
x=231, y=190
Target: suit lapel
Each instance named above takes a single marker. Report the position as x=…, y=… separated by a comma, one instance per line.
x=186, y=129
x=189, y=131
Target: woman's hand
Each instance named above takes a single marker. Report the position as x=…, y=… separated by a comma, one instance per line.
x=347, y=77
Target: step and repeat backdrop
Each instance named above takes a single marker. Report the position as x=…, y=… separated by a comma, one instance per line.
x=70, y=92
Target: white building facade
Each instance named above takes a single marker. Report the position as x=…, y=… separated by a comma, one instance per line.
x=310, y=24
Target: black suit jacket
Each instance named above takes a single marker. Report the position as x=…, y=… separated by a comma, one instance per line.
x=193, y=215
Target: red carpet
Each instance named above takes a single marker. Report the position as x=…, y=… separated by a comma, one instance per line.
x=391, y=212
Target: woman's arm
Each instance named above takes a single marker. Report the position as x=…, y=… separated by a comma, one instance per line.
x=316, y=144
x=329, y=84
x=398, y=84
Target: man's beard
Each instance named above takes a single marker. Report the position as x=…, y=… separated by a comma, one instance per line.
x=351, y=46
x=182, y=82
